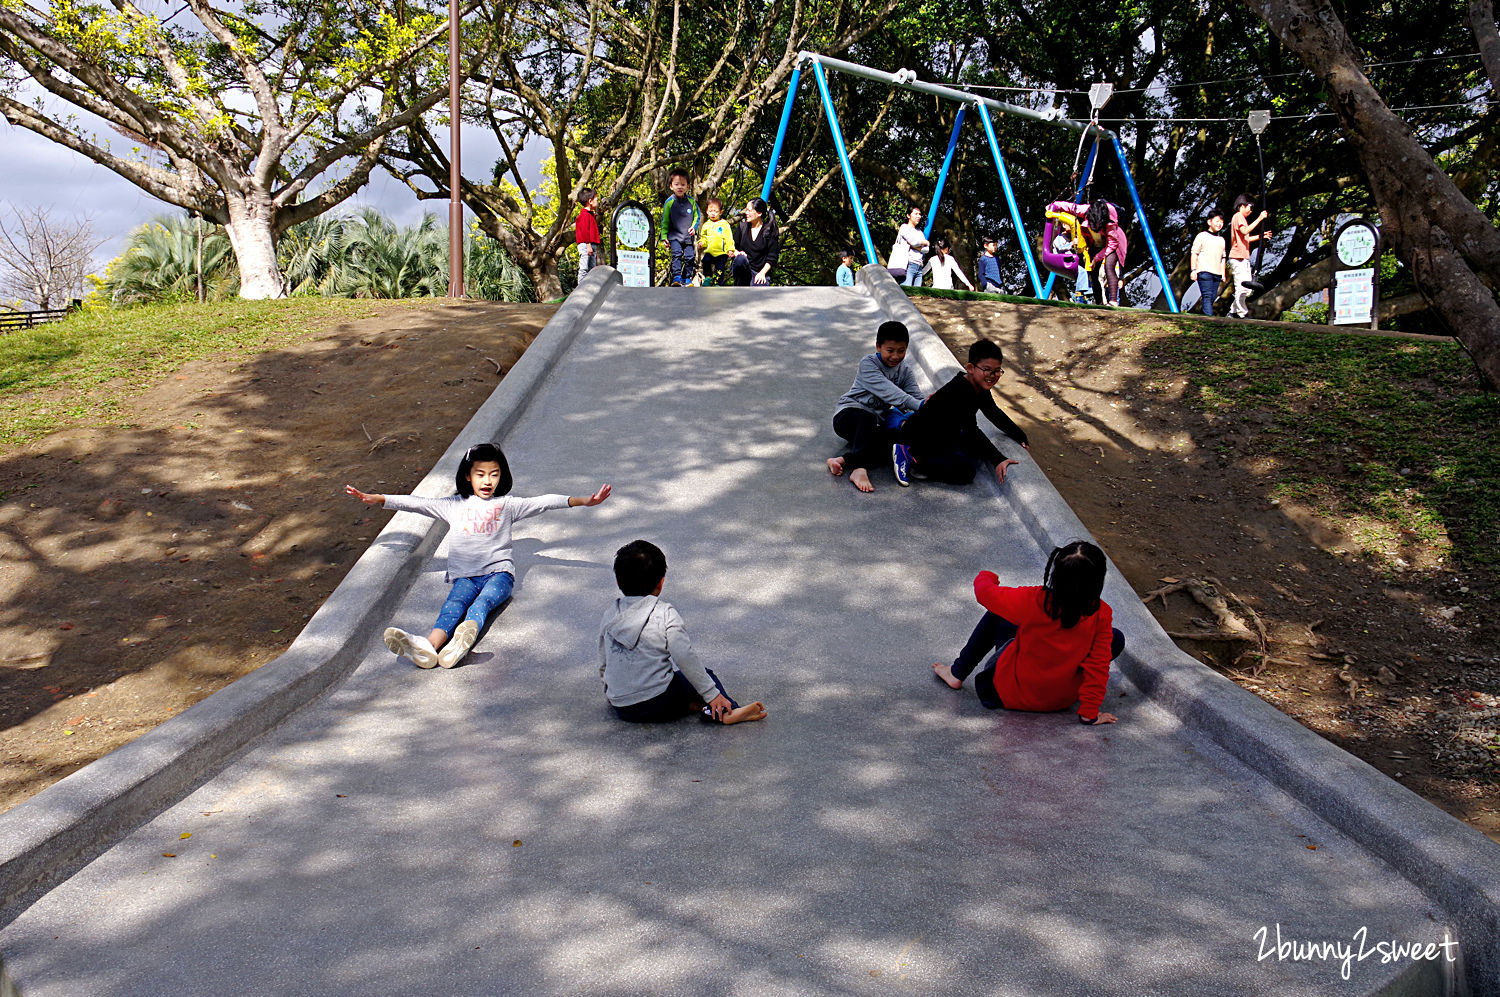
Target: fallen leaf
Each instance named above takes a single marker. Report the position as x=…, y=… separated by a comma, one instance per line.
x=1169, y=581
x=67, y=733
x=184, y=835
x=516, y=843
x=65, y=626
x=169, y=855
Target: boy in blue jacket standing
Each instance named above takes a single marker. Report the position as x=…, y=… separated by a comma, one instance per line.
x=988, y=277
x=679, y=228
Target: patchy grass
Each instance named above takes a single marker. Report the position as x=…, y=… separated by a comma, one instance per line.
x=1392, y=435
x=1015, y=299
x=80, y=369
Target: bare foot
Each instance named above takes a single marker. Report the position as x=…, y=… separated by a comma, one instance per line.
x=751, y=711
x=835, y=466
x=860, y=478
x=945, y=673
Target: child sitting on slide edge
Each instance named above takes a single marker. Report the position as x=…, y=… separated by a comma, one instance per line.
x=883, y=385
x=941, y=440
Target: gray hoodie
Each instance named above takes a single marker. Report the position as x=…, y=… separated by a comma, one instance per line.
x=641, y=639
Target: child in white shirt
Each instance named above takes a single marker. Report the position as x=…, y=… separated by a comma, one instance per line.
x=944, y=267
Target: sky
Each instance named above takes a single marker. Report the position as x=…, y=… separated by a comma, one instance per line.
x=37, y=173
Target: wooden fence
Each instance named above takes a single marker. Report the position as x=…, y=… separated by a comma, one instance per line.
x=26, y=320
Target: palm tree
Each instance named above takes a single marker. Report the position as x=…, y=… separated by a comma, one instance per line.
x=161, y=263
x=312, y=255
x=382, y=261
x=491, y=274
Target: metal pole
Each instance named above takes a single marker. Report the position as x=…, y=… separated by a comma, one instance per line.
x=1010, y=199
x=455, y=167
x=1083, y=182
x=907, y=80
x=1258, y=121
x=1140, y=212
x=838, y=144
x=937, y=194
x=786, y=120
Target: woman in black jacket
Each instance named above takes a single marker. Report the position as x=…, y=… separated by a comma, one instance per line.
x=756, y=244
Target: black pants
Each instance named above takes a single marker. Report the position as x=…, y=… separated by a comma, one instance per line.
x=952, y=462
x=869, y=440
x=679, y=699
x=715, y=268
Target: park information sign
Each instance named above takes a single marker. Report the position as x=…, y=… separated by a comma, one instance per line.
x=1356, y=274
x=631, y=229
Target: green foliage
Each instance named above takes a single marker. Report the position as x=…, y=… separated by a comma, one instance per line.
x=1307, y=310
x=362, y=257
x=160, y=263
x=490, y=273
x=1419, y=441
x=381, y=261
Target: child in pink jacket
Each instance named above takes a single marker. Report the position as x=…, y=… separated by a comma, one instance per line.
x=1107, y=245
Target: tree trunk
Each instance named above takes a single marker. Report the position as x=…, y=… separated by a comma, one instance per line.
x=545, y=280
x=1275, y=300
x=1440, y=234
x=249, y=231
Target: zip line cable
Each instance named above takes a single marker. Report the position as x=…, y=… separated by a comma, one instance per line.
x=1224, y=80
x=1300, y=117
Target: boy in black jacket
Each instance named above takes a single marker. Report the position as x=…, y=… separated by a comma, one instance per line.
x=941, y=440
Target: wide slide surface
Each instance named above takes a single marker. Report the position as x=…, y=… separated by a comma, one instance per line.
x=494, y=830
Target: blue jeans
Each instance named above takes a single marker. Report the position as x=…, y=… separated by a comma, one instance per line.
x=1208, y=289
x=913, y=274
x=683, y=255
x=474, y=599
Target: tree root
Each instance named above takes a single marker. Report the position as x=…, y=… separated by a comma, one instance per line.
x=1237, y=621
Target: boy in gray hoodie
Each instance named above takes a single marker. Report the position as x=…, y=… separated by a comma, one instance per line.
x=646, y=661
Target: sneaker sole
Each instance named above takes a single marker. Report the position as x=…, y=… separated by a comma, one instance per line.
x=399, y=643
x=462, y=643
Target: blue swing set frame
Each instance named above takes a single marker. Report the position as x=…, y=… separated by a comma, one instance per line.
x=906, y=80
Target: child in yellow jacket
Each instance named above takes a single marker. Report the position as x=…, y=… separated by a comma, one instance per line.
x=717, y=241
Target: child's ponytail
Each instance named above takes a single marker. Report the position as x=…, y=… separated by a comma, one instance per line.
x=1074, y=580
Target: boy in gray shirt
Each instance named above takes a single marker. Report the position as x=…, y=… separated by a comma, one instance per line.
x=646, y=661
x=883, y=387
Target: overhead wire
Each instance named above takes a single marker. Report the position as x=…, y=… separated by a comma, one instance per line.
x=1215, y=82
x=1309, y=116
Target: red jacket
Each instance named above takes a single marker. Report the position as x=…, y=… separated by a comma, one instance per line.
x=1047, y=667
x=586, y=228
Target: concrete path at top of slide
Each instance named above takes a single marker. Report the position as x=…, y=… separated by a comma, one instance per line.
x=494, y=830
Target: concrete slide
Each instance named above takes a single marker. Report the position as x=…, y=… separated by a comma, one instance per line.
x=348, y=824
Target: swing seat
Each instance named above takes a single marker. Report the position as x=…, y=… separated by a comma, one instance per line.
x=1065, y=264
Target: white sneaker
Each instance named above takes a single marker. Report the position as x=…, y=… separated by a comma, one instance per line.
x=458, y=646
x=417, y=649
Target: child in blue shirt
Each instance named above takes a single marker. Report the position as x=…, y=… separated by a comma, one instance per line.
x=844, y=275
x=989, y=267
x=884, y=384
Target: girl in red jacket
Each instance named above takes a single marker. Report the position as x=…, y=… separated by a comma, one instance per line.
x=1055, y=640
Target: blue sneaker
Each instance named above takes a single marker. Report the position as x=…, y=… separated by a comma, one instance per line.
x=901, y=464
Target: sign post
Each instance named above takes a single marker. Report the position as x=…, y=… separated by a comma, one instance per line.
x=631, y=246
x=1355, y=291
